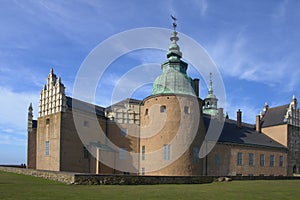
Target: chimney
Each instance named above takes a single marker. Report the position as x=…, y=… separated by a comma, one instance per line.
x=239, y=118
x=258, y=127
x=220, y=114
x=196, y=83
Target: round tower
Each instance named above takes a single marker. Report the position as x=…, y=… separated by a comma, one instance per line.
x=170, y=136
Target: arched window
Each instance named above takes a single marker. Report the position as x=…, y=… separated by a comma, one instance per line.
x=163, y=109
x=146, y=112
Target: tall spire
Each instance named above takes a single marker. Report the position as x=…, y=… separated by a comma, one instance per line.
x=210, y=89
x=174, y=50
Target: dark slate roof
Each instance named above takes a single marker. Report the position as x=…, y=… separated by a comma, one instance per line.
x=246, y=135
x=274, y=116
x=121, y=104
x=34, y=123
x=84, y=106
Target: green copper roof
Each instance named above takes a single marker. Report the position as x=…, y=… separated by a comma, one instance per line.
x=210, y=102
x=210, y=94
x=211, y=111
x=173, y=79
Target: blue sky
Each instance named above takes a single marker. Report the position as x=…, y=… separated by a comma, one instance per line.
x=255, y=45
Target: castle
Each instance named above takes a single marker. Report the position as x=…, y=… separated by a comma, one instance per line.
x=163, y=134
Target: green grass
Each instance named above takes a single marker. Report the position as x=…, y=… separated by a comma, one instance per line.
x=14, y=186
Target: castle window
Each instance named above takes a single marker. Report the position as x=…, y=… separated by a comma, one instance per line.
x=146, y=112
x=217, y=159
x=85, y=153
x=122, y=154
x=143, y=171
x=195, y=154
x=47, y=121
x=239, y=159
x=167, y=152
x=162, y=109
x=186, y=110
x=272, y=160
x=123, y=131
x=47, y=148
x=143, y=152
x=280, y=161
x=251, y=159
x=262, y=160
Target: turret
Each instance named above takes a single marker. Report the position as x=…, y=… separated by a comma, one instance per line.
x=30, y=118
x=211, y=101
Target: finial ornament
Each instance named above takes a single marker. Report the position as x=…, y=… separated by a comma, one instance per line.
x=30, y=107
x=174, y=22
x=210, y=89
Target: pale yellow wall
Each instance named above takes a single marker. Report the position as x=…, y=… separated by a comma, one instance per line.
x=278, y=133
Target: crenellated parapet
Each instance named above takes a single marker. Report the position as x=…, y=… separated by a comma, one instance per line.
x=52, y=97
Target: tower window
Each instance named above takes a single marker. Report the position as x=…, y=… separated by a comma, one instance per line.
x=143, y=171
x=122, y=154
x=85, y=123
x=167, y=152
x=195, y=154
x=47, y=148
x=162, y=109
x=186, y=110
x=85, y=153
x=47, y=121
x=146, y=111
x=143, y=152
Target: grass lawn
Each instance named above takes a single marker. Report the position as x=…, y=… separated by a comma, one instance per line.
x=15, y=186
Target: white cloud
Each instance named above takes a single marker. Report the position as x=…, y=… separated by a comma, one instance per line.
x=13, y=107
x=234, y=59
